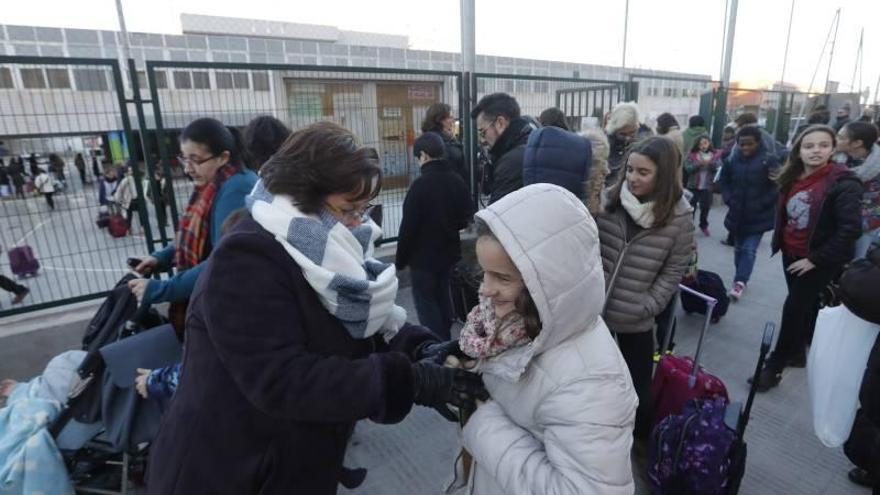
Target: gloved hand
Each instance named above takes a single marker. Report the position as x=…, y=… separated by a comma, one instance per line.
x=436, y=386
x=437, y=352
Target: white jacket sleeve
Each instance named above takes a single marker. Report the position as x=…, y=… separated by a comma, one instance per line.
x=585, y=449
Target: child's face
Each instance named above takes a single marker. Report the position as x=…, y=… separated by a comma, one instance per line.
x=502, y=281
x=704, y=144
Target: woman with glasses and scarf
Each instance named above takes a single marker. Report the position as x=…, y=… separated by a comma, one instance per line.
x=211, y=156
x=293, y=335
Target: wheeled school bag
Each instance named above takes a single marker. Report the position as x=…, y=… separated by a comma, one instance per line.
x=703, y=449
x=708, y=283
x=23, y=262
x=116, y=224
x=677, y=379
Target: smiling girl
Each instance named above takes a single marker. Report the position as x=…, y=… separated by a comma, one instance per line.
x=646, y=235
x=817, y=223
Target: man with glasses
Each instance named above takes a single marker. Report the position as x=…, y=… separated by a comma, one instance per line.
x=504, y=132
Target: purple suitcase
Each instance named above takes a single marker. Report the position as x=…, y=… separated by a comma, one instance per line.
x=23, y=262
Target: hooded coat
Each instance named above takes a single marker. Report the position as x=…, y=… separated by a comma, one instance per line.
x=562, y=411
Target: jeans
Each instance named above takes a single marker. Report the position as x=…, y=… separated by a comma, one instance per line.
x=864, y=242
x=703, y=198
x=431, y=295
x=744, y=256
x=799, y=312
x=638, y=352
x=49, y=200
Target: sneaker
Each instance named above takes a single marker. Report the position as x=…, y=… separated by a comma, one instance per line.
x=705, y=231
x=768, y=379
x=20, y=296
x=860, y=477
x=737, y=291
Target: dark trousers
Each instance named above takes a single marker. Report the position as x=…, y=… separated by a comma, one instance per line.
x=638, y=352
x=662, y=321
x=703, y=198
x=9, y=285
x=798, y=313
x=432, y=300
x=49, y=199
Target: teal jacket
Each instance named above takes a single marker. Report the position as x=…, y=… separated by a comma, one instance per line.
x=179, y=287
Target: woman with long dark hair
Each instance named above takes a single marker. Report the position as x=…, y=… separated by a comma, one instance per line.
x=211, y=155
x=817, y=223
x=647, y=236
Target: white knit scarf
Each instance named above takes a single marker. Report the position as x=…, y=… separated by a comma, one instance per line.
x=641, y=213
x=337, y=262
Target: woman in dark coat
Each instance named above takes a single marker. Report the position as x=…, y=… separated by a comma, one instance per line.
x=274, y=377
x=439, y=119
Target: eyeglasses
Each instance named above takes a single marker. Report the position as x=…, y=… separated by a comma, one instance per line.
x=185, y=160
x=351, y=213
x=482, y=132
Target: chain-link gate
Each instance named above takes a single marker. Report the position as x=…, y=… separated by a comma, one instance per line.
x=383, y=107
x=64, y=124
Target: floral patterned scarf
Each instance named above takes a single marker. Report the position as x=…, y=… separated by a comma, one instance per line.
x=485, y=335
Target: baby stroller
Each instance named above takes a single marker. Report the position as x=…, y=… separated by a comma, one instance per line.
x=104, y=430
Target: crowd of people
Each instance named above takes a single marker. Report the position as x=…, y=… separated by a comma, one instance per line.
x=292, y=333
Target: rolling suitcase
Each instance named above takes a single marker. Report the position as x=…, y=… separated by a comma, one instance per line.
x=677, y=379
x=23, y=262
x=116, y=224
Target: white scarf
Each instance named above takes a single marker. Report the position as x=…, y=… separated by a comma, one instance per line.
x=641, y=213
x=337, y=262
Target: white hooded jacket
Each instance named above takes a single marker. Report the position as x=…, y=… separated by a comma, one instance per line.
x=561, y=416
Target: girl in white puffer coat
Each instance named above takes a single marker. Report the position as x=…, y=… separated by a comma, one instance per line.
x=561, y=415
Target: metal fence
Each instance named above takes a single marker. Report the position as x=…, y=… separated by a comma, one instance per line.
x=68, y=119
x=384, y=108
x=584, y=101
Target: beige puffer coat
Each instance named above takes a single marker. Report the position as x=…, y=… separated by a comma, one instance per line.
x=648, y=267
x=562, y=411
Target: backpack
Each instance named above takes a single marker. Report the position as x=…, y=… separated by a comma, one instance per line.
x=556, y=156
x=690, y=452
x=708, y=283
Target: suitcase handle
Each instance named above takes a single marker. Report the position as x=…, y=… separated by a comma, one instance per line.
x=769, y=330
x=711, y=302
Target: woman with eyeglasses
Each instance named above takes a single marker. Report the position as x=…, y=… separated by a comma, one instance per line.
x=293, y=335
x=211, y=156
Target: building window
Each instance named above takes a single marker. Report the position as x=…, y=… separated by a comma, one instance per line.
x=240, y=80
x=6, y=78
x=201, y=80
x=90, y=79
x=182, y=79
x=33, y=78
x=261, y=81
x=224, y=80
x=667, y=92
x=142, y=79
x=58, y=78
x=542, y=87
x=161, y=79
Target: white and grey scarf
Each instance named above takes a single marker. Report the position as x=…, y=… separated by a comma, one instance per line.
x=641, y=213
x=337, y=262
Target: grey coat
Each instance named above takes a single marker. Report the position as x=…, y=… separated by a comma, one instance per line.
x=648, y=267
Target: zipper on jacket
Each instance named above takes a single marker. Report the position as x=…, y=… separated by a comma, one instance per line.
x=626, y=243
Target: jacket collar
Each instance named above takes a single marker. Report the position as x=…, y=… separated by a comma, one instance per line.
x=516, y=133
x=434, y=166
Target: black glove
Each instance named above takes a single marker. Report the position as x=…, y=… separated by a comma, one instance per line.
x=437, y=352
x=436, y=386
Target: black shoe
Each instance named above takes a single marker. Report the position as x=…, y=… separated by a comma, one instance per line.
x=861, y=477
x=768, y=379
x=724, y=241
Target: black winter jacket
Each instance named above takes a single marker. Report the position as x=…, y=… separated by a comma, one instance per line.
x=454, y=154
x=839, y=224
x=507, y=159
x=436, y=207
x=749, y=192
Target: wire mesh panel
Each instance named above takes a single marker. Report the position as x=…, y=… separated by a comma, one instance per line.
x=62, y=130
x=679, y=96
x=384, y=108
x=583, y=101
